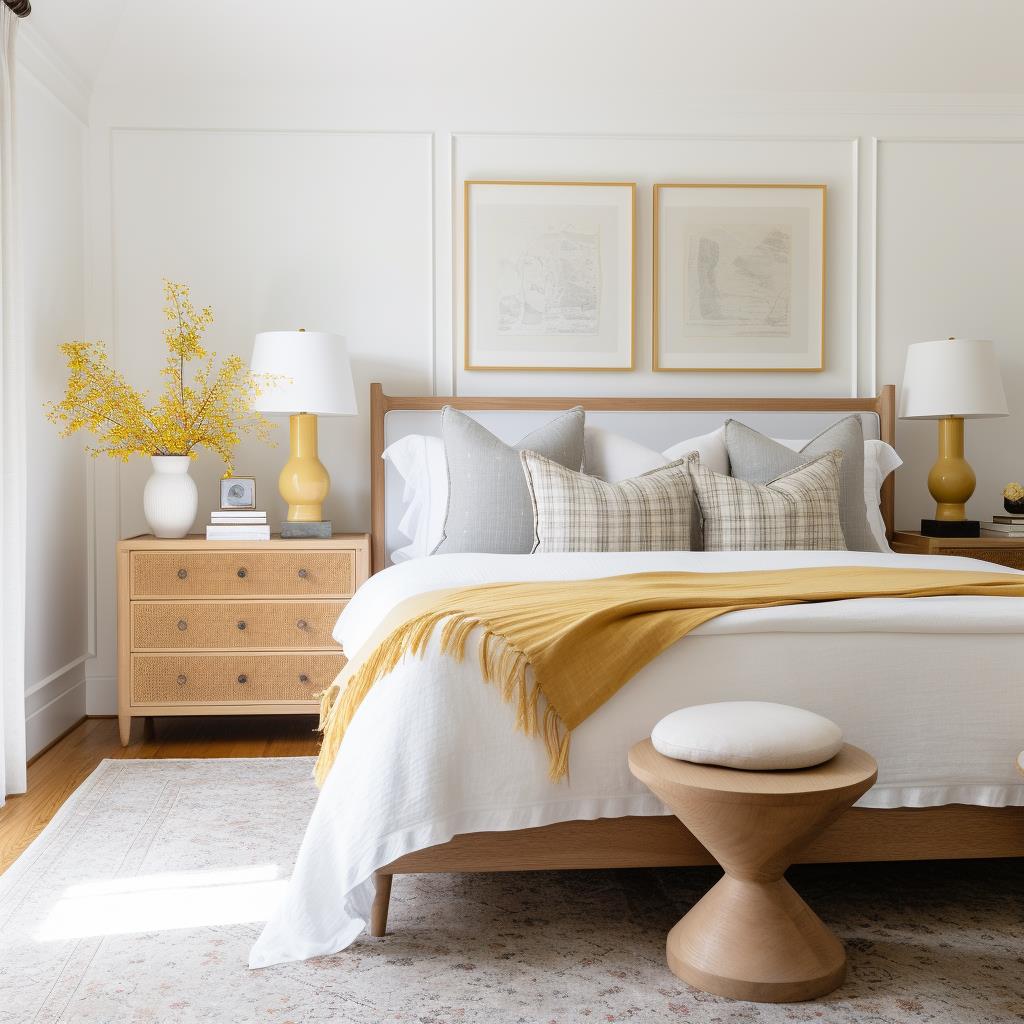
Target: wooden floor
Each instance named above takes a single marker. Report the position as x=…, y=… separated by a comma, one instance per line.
x=57, y=773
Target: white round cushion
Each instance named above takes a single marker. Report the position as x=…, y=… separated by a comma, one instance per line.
x=752, y=734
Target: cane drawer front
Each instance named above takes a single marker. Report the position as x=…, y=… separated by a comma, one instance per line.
x=243, y=573
x=1012, y=558
x=244, y=625
x=161, y=679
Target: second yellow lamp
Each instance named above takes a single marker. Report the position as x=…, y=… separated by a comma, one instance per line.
x=951, y=381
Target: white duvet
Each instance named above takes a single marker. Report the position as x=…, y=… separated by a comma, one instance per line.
x=930, y=686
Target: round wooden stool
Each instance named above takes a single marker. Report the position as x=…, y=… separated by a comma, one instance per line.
x=751, y=936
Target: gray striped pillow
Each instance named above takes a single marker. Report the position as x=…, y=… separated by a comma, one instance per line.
x=798, y=511
x=575, y=512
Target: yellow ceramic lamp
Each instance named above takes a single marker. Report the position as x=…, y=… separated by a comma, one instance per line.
x=304, y=482
x=951, y=381
x=315, y=379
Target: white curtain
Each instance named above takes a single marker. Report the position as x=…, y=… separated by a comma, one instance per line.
x=12, y=445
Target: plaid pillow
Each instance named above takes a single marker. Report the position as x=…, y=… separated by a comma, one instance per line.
x=575, y=512
x=798, y=511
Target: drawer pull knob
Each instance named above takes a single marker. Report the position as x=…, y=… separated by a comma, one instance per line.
x=302, y=624
x=182, y=625
x=183, y=574
x=303, y=574
x=243, y=678
x=242, y=573
x=241, y=623
x=303, y=678
x=182, y=680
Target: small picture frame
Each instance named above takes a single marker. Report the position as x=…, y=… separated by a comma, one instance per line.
x=237, y=492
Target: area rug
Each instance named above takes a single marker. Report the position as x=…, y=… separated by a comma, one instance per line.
x=140, y=900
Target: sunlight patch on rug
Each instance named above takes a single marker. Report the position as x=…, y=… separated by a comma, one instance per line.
x=180, y=899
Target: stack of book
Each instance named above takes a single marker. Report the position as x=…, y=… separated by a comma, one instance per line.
x=238, y=524
x=1004, y=526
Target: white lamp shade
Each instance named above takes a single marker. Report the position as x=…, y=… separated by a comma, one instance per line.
x=952, y=378
x=317, y=377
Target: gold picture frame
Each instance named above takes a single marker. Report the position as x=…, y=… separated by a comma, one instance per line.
x=624, y=326
x=812, y=311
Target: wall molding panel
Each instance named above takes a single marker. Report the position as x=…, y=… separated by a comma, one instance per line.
x=846, y=140
x=329, y=228
x=947, y=229
x=51, y=103
x=645, y=157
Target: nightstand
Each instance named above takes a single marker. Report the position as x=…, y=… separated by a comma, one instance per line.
x=1008, y=551
x=231, y=627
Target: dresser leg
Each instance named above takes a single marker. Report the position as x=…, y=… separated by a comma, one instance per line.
x=124, y=727
x=381, y=900
x=148, y=728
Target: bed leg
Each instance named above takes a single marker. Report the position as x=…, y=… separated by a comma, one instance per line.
x=379, y=910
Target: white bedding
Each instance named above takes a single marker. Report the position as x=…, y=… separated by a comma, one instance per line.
x=930, y=686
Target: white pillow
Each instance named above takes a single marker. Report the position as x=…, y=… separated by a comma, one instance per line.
x=880, y=459
x=612, y=457
x=421, y=463
x=710, y=447
x=753, y=734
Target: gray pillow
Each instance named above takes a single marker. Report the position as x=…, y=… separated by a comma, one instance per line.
x=489, y=506
x=758, y=459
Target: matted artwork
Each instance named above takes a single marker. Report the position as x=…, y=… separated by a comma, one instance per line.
x=549, y=275
x=739, y=277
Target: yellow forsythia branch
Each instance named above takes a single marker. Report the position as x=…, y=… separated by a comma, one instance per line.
x=212, y=410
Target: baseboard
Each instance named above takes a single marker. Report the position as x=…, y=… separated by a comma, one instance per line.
x=49, y=746
x=54, y=706
x=101, y=695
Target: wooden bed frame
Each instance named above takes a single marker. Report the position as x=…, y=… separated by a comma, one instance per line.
x=862, y=834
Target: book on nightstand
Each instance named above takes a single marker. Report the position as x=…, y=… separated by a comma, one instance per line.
x=1004, y=526
x=238, y=524
x=243, y=515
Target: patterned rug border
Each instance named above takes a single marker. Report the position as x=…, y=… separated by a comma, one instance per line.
x=28, y=857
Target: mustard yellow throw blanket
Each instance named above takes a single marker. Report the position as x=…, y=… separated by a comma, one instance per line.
x=574, y=643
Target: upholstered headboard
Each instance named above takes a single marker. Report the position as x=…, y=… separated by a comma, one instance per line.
x=656, y=422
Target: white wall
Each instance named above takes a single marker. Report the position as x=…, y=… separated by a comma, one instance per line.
x=51, y=144
x=950, y=262
x=301, y=166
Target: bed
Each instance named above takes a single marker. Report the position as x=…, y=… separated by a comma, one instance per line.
x=424, y=783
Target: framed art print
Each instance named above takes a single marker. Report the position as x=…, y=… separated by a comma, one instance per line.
x=549, y=275
x=739, y=277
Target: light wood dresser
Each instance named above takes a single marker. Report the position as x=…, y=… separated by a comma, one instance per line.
x=1008, y=551
x=231, y=627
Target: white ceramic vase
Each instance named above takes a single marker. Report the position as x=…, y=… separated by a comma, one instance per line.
x=171, y=499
